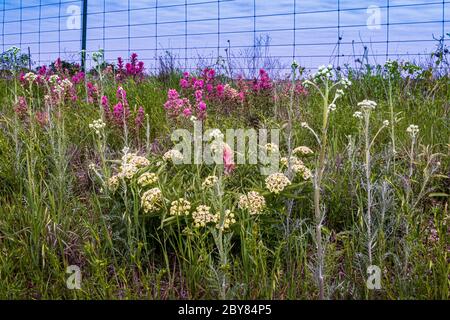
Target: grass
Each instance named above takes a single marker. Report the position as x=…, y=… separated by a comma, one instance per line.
x=371, y=205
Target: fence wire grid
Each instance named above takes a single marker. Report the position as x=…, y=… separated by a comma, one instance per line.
x=311, y=32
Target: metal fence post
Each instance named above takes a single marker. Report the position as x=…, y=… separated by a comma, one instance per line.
x=84, y=36
x=29, y=58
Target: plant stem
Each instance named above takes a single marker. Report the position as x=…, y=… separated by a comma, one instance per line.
x=369, y=186
x=320, y=166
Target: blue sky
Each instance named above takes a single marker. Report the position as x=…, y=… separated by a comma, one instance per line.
x=315, y=36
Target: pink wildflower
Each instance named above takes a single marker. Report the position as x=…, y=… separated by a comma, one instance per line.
x=184, y=83
x=198, y=95
x=173, y=94
x=201, y=110
x=198, y=84
x=78, y=77
x=187, y=112
x=120, y=113
x=21, y=108
x=105, y=105
x=263, y=82
x=228, y=160
x=139, y=120
x=202, y=106
x=92, y=92
x=42, y=118
x=220, y=89
x=122, y=95
x=134, y=68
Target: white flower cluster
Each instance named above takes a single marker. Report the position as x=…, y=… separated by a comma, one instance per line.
x=217, y=147
x=271, y=148
x=98, y=55
x=62, y=86
x=66, y=83
x=346, y=83
x=151, y=200
x=367, y=105
x=147, y=179
x=202, y=216
x=302, y=151
x=173, y=156
x=413, y=130
x=253, y=202
x=277, y=182
x=216, y=134
x=30, y=76
x=209, y=182
x=390, y=64
x=97, y=126
x=358, y=115
x=180, y=207
x=324, y=73
x=54, y=79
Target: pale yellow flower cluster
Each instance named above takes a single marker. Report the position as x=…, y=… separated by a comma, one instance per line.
x=135, y=160
x=202, y=216
x=151, y=200
x=209, y=182
x=295, y=162
x=127, y=171
x=180, y=207
x=131, y=163
x=297, y=166
x=306, y=173
x=147, y=179
x=228, y=220
x=253, y=202
x=277, y=182
x=173, y=156
x=113, y=183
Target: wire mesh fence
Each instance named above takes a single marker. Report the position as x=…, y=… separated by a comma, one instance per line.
x=250, y=33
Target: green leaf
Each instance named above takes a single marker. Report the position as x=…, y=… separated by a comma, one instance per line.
x=437, y=194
